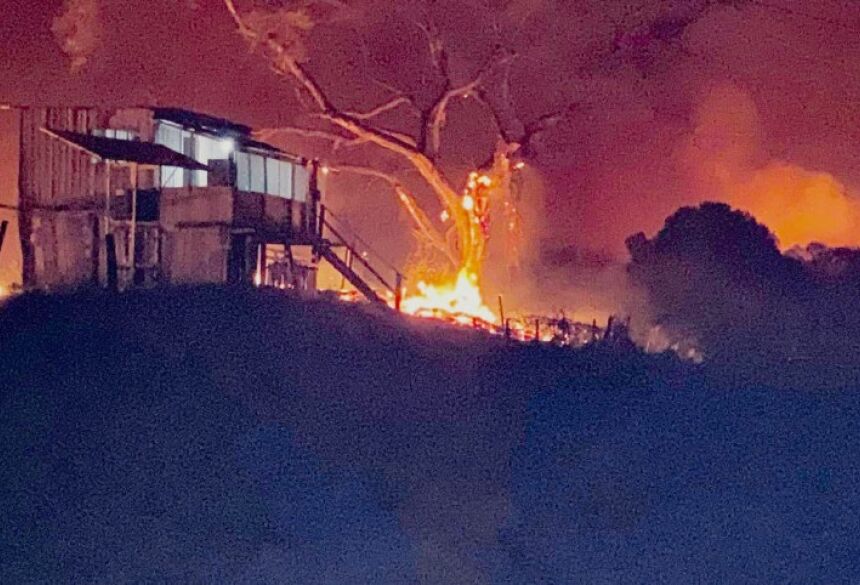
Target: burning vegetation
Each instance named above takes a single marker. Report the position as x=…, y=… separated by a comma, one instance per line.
x=446, y=273
x=475, y=202
x=727, y=159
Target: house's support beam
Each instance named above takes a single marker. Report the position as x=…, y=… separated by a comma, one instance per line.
x=4, y=225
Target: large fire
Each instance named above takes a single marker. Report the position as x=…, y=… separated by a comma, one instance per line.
x=459, y=296
x=461, y=300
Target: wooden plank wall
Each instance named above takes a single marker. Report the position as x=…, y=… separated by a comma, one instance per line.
x=10, y=256
x=53, y=173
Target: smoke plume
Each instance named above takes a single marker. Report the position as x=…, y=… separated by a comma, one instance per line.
x=78, y=30
x=726, y=159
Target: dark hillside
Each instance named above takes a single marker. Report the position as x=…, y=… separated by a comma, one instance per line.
x=217, y=436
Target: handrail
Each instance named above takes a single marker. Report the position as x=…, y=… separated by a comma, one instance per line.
x=358, y=256
x=329, y=214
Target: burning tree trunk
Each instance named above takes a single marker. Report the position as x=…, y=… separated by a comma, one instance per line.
x=467, y=212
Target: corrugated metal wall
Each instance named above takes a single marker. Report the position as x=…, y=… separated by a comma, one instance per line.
x=60, y=188
x=62, y=193
x=10, y=139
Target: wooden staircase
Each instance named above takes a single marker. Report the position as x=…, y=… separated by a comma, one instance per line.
x=331, y=238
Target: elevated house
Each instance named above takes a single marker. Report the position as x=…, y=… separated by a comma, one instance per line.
x=145, y=196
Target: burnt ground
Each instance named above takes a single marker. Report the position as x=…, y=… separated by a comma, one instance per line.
x=218, y=436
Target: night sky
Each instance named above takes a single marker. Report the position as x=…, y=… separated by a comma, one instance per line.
x=668, y=95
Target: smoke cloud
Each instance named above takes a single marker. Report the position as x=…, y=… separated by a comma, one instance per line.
x=78, y=30
x=800, y=206
x=674, y=105
x=725, y=160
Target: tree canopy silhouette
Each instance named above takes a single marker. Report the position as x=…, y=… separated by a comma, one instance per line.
x=716, y=274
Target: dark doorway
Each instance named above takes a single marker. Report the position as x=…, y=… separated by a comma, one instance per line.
x=237, y=264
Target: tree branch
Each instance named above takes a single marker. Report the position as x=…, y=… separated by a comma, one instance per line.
x=541, y=125
x=337, y=140
x=436, y=47
x=422, y=222
x=502, y=125
x=391, y=104
x=424, y=226
x=383, y=133
x=288, y=65
x=283, y=61
x=435, y=120
x=393, y=89
x=367, y=172
x=511, y=129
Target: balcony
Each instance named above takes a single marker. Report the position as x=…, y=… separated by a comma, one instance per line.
x=277, y=216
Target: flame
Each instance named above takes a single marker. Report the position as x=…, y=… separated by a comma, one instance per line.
x=460, y=299
x=9, y=291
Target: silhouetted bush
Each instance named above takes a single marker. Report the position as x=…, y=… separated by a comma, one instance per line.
x=717, y=275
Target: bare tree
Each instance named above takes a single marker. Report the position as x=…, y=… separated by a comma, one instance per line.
x=282, y=34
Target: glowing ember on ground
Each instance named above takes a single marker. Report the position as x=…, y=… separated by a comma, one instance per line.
x=7, y=292
x=461, y=299
x=460, y=304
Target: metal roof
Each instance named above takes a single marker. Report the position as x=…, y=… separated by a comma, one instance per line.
x=144, y=153
x=251, y=143
x=242, y=134
x=203, y=122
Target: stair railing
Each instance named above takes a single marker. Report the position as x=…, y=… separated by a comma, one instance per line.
x=326, y=229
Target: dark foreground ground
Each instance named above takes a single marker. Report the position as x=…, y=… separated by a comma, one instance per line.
x=213, y=436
